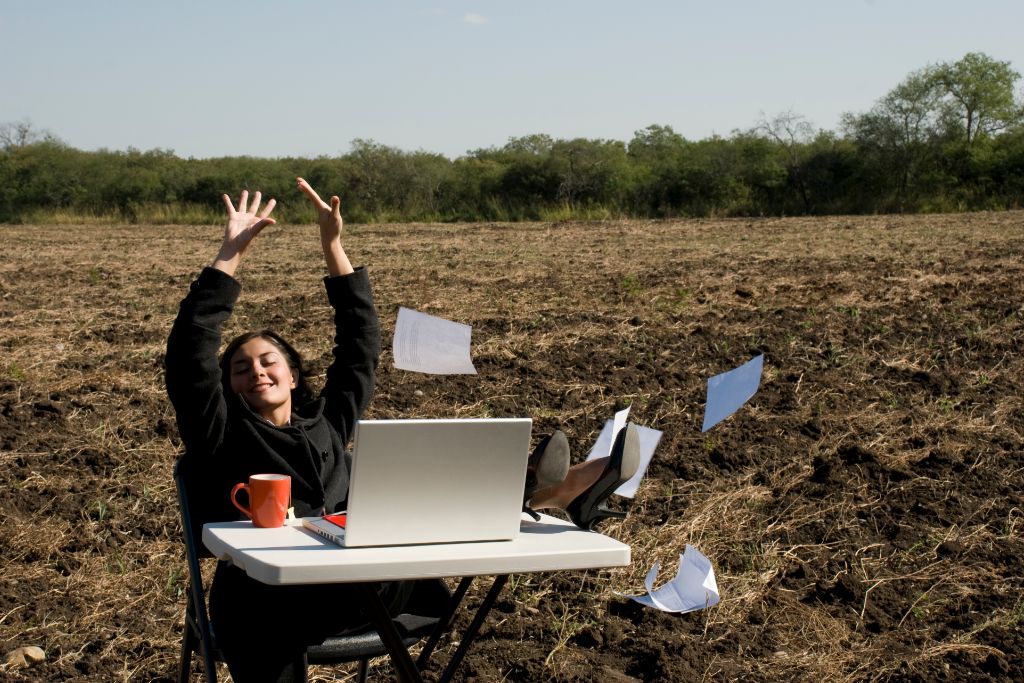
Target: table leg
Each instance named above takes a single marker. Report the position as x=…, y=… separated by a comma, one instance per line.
x=378, y=613
x=478, y=620
x=444, y=622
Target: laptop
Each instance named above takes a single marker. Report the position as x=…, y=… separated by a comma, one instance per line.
x=433, y=481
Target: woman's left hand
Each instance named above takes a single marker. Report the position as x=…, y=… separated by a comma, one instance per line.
x=328, y=215
x=329, y=218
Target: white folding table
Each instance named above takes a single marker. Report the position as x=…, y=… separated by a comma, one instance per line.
x=293, y=555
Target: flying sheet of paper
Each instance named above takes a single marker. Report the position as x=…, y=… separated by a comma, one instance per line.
x=649, y=439
x=730, y=390
x=425, y=343
x=693, y=588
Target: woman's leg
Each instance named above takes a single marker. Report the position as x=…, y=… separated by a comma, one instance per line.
x=264, y=630
x=577, y=480
x=587, y=485
x=251, y=625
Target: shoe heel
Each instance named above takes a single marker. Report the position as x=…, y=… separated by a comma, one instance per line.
x=595, y=516
x=589, y=507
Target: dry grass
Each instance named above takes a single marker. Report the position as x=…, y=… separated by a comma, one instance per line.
x=864, y=512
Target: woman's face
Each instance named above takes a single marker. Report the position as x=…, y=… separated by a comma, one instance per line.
x=260, y=374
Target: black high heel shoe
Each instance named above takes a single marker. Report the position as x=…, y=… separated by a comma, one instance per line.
x=588, y=508
x=547, y=466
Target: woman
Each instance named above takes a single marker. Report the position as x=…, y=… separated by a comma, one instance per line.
x=252, y=411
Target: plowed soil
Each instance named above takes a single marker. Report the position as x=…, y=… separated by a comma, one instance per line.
x=864, y=512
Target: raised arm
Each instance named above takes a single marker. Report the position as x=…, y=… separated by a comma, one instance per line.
x=192, y=373
x=329, y=218
x=352, y=374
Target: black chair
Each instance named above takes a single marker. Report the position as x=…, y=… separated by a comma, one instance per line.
x=430, y=597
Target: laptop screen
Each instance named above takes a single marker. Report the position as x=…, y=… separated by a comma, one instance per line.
x=437, y=481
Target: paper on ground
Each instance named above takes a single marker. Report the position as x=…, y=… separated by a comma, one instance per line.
x=649, y=439
x=426, y=343
x=730, y=390
x=693, y=588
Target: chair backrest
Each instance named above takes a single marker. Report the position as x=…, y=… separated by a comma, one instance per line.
x=198, y=631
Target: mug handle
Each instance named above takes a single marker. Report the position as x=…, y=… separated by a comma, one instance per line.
x=235, y=490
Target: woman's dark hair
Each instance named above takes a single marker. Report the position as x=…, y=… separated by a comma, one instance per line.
x=301, y=394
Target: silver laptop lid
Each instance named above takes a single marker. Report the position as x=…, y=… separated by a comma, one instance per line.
x=436, y=481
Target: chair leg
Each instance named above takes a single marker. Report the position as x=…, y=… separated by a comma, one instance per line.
x=364, y=670
x=209, y=663
x=405, y=668
x=188, y=646
x=444, y=622
x=474, y=627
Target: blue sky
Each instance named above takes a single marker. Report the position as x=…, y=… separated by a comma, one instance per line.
x=304, y=78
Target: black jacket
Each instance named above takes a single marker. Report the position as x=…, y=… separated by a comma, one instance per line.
x=225, y=441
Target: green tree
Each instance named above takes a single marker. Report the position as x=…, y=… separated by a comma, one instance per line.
x=530, y=176
x=1006, y=169
x=469, y=191
x=899, y=136
x=792, y=134
x=978, y=95
x=592, y=171
x=659, y=187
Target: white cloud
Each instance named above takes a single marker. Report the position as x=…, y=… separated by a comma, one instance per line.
x=473, y=18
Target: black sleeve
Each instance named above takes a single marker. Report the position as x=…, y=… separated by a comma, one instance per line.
x=351, y=376
x=192, y=373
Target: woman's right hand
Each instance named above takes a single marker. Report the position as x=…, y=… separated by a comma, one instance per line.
x=243, y=225
x=247, y=221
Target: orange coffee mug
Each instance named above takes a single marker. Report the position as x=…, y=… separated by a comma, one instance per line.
x=269, y=497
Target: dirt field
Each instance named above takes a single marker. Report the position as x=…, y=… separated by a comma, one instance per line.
x=864, y=512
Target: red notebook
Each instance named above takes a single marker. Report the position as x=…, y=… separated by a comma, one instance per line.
x=338, y=518
x=331, y=527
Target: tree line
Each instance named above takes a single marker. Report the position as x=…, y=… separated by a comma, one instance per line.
x=949, y=137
